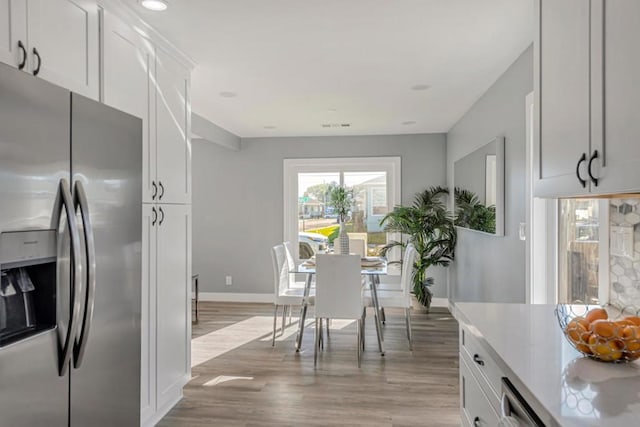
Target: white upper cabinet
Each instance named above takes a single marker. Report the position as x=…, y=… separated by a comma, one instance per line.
x=173, y=143
x=128, y=64
x=562, y=91
x=13, y=33
x=64, y=43
x=617, y=126
x=587, y=84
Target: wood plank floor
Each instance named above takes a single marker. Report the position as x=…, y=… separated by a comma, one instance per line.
x=239, y=379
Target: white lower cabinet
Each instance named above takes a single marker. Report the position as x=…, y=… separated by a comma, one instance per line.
x=475, y=407
x=166, y=314
x=480, y=383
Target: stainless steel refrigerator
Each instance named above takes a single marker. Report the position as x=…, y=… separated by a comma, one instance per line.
x=70, y=258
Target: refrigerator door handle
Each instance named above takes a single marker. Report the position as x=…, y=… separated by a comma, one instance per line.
x=80, y=200
x=65, y=201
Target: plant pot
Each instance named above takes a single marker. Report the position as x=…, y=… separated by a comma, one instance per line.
x=417, y=307
x=343, y=240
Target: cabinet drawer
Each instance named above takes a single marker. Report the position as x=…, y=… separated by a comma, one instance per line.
x=475, y=408
x=480, y=361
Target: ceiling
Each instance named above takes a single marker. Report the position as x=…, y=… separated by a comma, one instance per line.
x=288, y=67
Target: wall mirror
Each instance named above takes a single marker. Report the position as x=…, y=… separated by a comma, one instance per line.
x=479, y=189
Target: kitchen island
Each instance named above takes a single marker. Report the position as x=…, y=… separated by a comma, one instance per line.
x=525, y=344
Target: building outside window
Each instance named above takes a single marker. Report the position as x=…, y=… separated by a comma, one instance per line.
x=310, y=221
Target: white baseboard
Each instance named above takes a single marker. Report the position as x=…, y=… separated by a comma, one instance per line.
x=440, y=302
x=164, y=410
x=171, y=398
x=268, y=298
x=235, y=297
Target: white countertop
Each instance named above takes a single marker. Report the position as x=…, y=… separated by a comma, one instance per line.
x=575, y=391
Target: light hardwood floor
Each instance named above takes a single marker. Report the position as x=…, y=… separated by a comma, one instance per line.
x=240, y=380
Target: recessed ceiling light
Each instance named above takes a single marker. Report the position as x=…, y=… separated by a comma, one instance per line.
x=409, y=123
x=155, y=5
x=270, y=127
x=420, y=87
x=228, y=94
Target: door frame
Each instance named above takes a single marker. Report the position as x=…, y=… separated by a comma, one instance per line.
x=542, y=227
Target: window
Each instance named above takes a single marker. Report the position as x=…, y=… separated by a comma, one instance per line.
x=310, y=223
x=583, y=251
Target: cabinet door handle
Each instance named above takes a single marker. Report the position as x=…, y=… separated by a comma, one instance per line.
x=162, y=215
x=37, y=55
x=155, y=190
x=583, y=158
x=24, y=55
x=478, y=360
x=161, y=190
x=593, y=157
x=476, y=422
x=155, y=216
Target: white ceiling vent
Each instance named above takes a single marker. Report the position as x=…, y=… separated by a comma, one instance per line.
x=336, y=125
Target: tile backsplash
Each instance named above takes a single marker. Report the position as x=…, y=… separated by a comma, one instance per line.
x=624, y=257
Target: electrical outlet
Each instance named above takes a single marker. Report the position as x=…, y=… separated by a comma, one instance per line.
x=228, y=280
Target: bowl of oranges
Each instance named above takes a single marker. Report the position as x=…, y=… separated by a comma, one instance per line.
x=608, y=334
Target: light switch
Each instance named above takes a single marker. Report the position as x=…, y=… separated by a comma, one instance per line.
x=522, y=231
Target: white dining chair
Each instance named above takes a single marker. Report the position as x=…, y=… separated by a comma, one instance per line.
x=338, y=295
x=357, y=246
x=402, y=298
x=393, y=285
x=284, y=294
x=291, y=263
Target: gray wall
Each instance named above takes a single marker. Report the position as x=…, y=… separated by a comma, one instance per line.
x=238, y=199
x=489, y=268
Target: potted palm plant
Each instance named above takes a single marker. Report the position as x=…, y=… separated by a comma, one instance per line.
x=471, y=213
x=429, y=225
x=341, y=198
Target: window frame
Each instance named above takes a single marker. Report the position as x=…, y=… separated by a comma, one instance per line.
x=292, y=167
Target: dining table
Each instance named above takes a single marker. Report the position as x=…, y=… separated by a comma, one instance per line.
x=371, y=268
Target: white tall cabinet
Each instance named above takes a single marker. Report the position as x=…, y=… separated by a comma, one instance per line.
x=96, y=48
x=143, y=79
x=173, y=252
x=173, y=114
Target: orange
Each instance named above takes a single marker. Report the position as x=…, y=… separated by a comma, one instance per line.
x=584, y=348
x=596, y=314
x=631, y=332
x=631, y=336
x=578, y=330
x=624, y=322
x=633, y=319
x=606, y=329
x=605, y=349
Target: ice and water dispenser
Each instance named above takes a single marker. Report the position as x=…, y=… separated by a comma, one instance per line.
x=28, y=287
